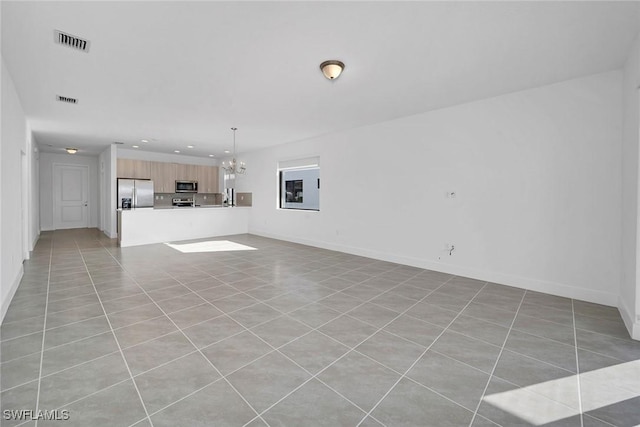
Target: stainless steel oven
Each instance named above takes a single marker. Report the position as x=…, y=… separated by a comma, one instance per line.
x=186, y=186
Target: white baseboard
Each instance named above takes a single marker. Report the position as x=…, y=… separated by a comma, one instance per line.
x=11, y=293
x=631, y=321
x=553, y=288
x=108, y=234
x=47, y=229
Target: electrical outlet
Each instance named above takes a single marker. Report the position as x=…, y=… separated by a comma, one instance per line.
x=157, y=197
x=205, y=197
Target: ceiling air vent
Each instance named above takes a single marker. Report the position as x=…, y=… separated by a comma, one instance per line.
x=71, y=41
x=66, y=99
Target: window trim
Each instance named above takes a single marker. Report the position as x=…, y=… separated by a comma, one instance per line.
x=293, y=165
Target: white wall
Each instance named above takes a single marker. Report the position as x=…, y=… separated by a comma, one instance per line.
x=629, y=294
x=107, y=188
x=18, y=230
x=47, y=160
x=537, y=176
x=124, y=153
x=112, y=189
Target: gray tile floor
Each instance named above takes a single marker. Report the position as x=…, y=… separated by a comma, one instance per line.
x=290, y=335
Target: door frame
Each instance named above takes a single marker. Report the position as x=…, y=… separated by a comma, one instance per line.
x=25, y=195
x=53, y=192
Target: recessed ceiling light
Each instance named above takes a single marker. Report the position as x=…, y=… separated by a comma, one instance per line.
x=176, y=151
x=71, y=150
x=135, y=146
x=227, y=151
x=211, y=155
x=144, y=140
x=190, y=146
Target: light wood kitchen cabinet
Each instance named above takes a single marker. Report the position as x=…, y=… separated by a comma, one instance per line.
x=186, y=172
x=136, y=169
x=163, y=176
x=207, y=179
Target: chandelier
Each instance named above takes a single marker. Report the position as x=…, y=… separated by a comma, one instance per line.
x=233, y=167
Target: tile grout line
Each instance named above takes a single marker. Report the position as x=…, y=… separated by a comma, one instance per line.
x=115, y=338
x=495, y=365
x=142, y=342
x=316, y=329
x=423, y=353
x=273, y=348
x=122, y=381
x=335, y=291
x=191, y=342
x=575, y=341
x=186, y=397
x=231, y=312
x=287, y=316
x=283, y=314
x=44, y=332
x=418, y=383
x=351, y=349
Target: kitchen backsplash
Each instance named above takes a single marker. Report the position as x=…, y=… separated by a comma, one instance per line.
x=244, y=199
x=165, y=199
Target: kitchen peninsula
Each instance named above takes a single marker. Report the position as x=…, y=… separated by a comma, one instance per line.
x=157, y=225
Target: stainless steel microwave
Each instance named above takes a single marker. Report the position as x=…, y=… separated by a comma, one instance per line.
x=186, y=186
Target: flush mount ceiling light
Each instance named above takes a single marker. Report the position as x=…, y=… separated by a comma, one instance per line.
x=135, y=146
x=233, y=167
x=71, y=150
x=332, y=69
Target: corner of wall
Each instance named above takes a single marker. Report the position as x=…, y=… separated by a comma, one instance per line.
x=629, y=301
x=631, y=322
x=36, y=237
x=9, y=297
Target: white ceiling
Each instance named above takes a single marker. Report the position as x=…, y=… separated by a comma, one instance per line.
x=180, y=73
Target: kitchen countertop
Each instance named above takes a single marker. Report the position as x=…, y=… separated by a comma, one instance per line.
x=181, y=208
x=168, y=224
x=190, y=207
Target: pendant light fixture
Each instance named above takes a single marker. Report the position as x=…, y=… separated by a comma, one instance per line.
x=233, y=167
x=332, y=68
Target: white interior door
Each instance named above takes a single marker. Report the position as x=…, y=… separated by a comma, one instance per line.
x=70, y=196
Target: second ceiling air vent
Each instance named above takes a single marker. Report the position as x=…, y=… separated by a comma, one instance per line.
x=66, y=99
x=71, y=41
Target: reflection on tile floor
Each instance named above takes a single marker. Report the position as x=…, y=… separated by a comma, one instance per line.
x=201, y=334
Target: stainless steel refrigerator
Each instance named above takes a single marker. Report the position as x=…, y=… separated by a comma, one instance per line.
x=135, y=193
